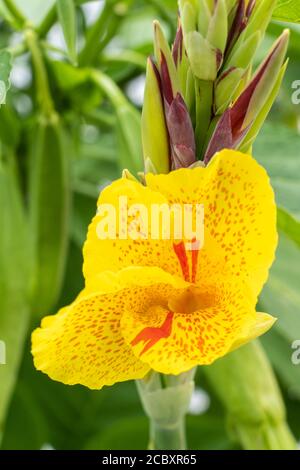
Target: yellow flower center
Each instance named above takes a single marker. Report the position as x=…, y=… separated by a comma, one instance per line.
x=191, y=300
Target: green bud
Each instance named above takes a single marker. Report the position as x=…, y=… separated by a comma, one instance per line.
x=180, y=59
x=190, y=92
x=202, y=56
x=154, y=130
x=162, y=47
x=272, y=66
x=218, y=27
x=204, y=17
x=226, y=87
x=259, y=121
x=258, y=22
x=211, y=5
x=230, y=4
x=243, y=56
x=260, y=17
x=189, y=18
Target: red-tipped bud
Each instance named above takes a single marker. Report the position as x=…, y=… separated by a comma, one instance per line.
x=181, y=133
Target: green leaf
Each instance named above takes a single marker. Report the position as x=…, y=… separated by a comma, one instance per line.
x=287, y=10
x=69, y=77
x=10, y=126
x=129, y=138
x=280, y=353
x=15, y=281
x=247, y=387
x=277, y=149
x=35, y=10
x=288, y=225
x=281, y=296
x=67, y=17
x=5, y=69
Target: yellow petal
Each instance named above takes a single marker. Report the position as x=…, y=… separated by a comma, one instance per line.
x=83, y=343
x=240, y=212
x=115, y=253
x=174, y=342
x=262, y=324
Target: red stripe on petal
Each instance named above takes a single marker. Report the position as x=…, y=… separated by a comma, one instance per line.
x=151, y=336
x=180, y=252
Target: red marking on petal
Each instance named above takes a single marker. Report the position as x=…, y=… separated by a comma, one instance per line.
x=195, y=256
x=151, y=336
x=180, y=252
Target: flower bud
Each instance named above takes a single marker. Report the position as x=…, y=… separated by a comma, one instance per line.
x=218, y=27
x=226, y=87
x=164, y=56
x=238, y=120
x=181, y=133
x=154, y=130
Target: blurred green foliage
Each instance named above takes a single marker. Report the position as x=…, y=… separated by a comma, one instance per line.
x=96, y=107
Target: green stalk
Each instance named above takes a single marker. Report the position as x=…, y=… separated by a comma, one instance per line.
x=92, y=45
x=43, y=90
x=168, y=438
x=15, y=12
x=133, y=58
x=51, y=18
x=165, y=400
x=108, y=86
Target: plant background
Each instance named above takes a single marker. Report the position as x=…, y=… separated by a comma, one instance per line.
x=100, y=141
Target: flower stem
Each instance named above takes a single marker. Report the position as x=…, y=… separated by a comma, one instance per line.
x=108, y=86
x=166, y=400
x=43, y=90
x=168, y=438
x=15, y=12
x=92, y=45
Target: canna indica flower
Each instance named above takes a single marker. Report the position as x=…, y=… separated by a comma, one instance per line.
x=151, y=304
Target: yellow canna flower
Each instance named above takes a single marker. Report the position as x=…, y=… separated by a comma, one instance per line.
x=153, y=304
